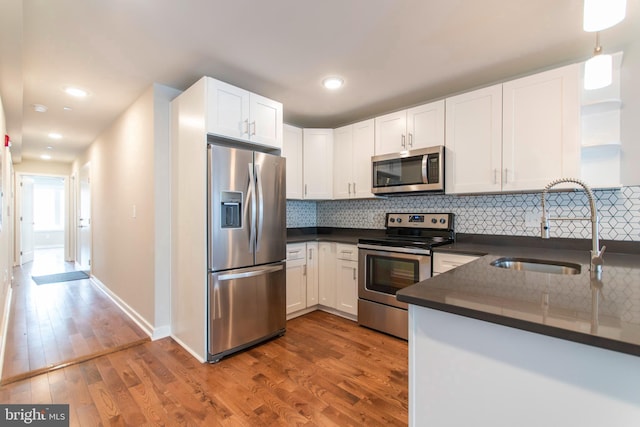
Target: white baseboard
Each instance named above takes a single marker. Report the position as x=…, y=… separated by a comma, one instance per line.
x=188, y=349
x=4, y=326
x=153, y=333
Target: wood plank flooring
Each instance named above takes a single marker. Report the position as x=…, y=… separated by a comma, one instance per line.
x=325, y=371
x=58, y=323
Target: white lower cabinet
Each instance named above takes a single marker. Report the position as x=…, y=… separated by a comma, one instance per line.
x=322, y=275
x=327, y=274
x=443, y=262
x=296, y=277
x=347, y=279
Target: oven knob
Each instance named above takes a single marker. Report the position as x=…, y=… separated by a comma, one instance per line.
x=433, y=220
x=399, y=220
x=392, y=220
x=443, y=221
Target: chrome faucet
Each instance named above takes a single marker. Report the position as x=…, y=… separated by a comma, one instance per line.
x=596, y=253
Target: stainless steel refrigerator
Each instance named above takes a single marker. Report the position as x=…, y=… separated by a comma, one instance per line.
x=246, y=248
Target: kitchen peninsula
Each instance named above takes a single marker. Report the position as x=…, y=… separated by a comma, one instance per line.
x=493, y=346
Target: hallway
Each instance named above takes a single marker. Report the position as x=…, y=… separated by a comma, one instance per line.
x=56, y=324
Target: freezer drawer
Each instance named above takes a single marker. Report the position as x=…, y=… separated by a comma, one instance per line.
x=246, y=306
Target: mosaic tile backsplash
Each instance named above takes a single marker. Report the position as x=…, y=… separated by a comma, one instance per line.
x=503, y=214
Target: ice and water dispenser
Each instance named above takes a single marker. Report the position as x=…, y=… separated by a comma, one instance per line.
x=230, y=209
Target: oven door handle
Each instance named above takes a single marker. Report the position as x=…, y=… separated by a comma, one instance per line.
x=412, y=251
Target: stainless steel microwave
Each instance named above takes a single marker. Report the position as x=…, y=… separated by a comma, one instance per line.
x=415, y=171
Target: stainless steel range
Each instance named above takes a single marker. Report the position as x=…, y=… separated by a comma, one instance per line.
x=393, y=262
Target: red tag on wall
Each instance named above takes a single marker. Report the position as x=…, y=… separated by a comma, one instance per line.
x=7, y=141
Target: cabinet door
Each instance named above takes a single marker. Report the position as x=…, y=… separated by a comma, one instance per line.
x=296, y=277
x=292, y=151
x=474, y=141
x=391, y=133
x=425, y=125
x=342, y=162
x=265, y=124
x=443, y=262
x=363, y=149
x=318, y=163
x=541, y=123
x=227, y=110
x=312, y=274
x=296, y=286
x=347, y=283
x=327, y=274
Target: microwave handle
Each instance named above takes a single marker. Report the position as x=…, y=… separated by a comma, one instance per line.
x=425, y=180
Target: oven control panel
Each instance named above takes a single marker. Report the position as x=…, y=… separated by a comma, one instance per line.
x=440, y=221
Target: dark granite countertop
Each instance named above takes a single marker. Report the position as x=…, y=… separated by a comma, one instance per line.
x=330, y=234
x=603, y=313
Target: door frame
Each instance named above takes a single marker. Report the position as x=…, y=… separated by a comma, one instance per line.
x=68, y=217
x=77, y=207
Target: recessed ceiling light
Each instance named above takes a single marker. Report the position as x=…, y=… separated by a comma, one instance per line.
x=49, y=147
x=66, y=108
x=77, y=92
x=54, y=135
x=45, y=157
x=333, y=83
x=39, y=108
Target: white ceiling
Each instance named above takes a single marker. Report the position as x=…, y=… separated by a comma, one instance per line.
x=391, y=53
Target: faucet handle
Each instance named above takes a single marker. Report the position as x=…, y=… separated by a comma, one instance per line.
x=598, y=258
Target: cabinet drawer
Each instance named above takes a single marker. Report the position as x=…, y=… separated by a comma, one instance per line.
x=296, y=251
x=347, y=252
x=443, y=262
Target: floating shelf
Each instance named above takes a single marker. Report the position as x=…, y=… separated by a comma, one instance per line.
x=602, y=106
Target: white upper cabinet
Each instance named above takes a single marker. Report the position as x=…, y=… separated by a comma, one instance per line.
x=516, y=136
x=417, y=127
x=235, y=113
x=353, y=148
x=292, y=151
x=473, y=156
x=317, y=163
x=541, y=129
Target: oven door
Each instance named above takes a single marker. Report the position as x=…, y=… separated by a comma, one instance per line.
x=384, y=271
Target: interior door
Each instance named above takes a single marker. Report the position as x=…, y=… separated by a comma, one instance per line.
x=83, y=258
x=26, y=220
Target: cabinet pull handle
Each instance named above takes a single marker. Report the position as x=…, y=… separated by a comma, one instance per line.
x=246, y=126
x=253, y=123
x=354, y=273
x=354, y=188
x=403, y=143
x=349, y=188
x=410, y=139
x=506, y=176
x=304, y=272
x=305, y=190
x=310, y=253
x=495, y=175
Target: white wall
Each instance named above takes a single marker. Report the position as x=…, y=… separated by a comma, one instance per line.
x=6, y=232
x=629, y=119
x=130, y=208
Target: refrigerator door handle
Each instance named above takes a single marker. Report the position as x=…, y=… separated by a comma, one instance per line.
x=260, y=200
x=251, y=204
x=252, y=273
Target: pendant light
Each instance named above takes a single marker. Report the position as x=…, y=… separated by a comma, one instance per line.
x=598, y=70
x=600, y=15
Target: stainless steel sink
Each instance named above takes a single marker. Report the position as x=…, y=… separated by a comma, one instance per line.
x=537, y=265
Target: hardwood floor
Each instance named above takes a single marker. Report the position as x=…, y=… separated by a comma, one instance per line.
x=325, y=371
x=58, y=323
